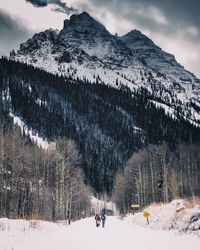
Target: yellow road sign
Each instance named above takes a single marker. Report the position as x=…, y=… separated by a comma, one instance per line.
x=146, y=214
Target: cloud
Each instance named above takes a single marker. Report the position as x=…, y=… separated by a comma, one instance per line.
x=12, y=32
x=38, y=3
x=176, y=12
x=60, y=6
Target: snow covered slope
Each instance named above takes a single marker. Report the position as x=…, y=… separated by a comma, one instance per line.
x=85, y=49
x=176, y=215
x=83, y=235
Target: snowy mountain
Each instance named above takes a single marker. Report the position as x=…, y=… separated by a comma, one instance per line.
x=84, y=49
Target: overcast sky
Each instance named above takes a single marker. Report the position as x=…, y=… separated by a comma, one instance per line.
x=174, y=25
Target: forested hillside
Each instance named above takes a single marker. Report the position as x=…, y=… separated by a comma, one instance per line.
x=107, y=124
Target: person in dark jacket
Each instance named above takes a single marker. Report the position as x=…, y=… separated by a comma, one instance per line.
x=98, y=220
x=103, y=219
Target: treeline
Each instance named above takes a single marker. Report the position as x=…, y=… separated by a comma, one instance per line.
x=106, y=124
x=37, y=182
x=158, y=174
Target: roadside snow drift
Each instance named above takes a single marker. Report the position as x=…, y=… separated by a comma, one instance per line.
x=174, y=215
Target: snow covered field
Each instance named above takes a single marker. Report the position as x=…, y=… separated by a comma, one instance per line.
x=83, y=235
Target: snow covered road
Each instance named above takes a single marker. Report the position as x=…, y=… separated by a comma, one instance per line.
x=83, y=235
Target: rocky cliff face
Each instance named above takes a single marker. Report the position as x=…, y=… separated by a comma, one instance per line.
x=145, y=50
x=85, y=49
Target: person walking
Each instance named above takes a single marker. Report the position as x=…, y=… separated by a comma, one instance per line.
x=98, y=220
x=103, y=219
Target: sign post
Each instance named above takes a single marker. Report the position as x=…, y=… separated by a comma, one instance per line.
x=146, y=215
x=135, y=207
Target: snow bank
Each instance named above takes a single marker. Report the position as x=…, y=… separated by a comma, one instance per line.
x=26, y=226
x=174, y=215
x=27, y=234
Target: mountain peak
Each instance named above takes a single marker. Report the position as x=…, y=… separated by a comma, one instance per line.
x=137, y=41
x=83, y=23
x=83, y=15
x=137, y=36
x=135, y=31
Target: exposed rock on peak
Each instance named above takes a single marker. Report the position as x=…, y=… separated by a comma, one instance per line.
x=83, y=23
x=136, y=36
x=150, y=54
x=84, y=32
x=40, y=39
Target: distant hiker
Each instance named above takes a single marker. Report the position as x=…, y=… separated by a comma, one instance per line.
x=68, y=218
x=98, y=220
x=103, y=218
